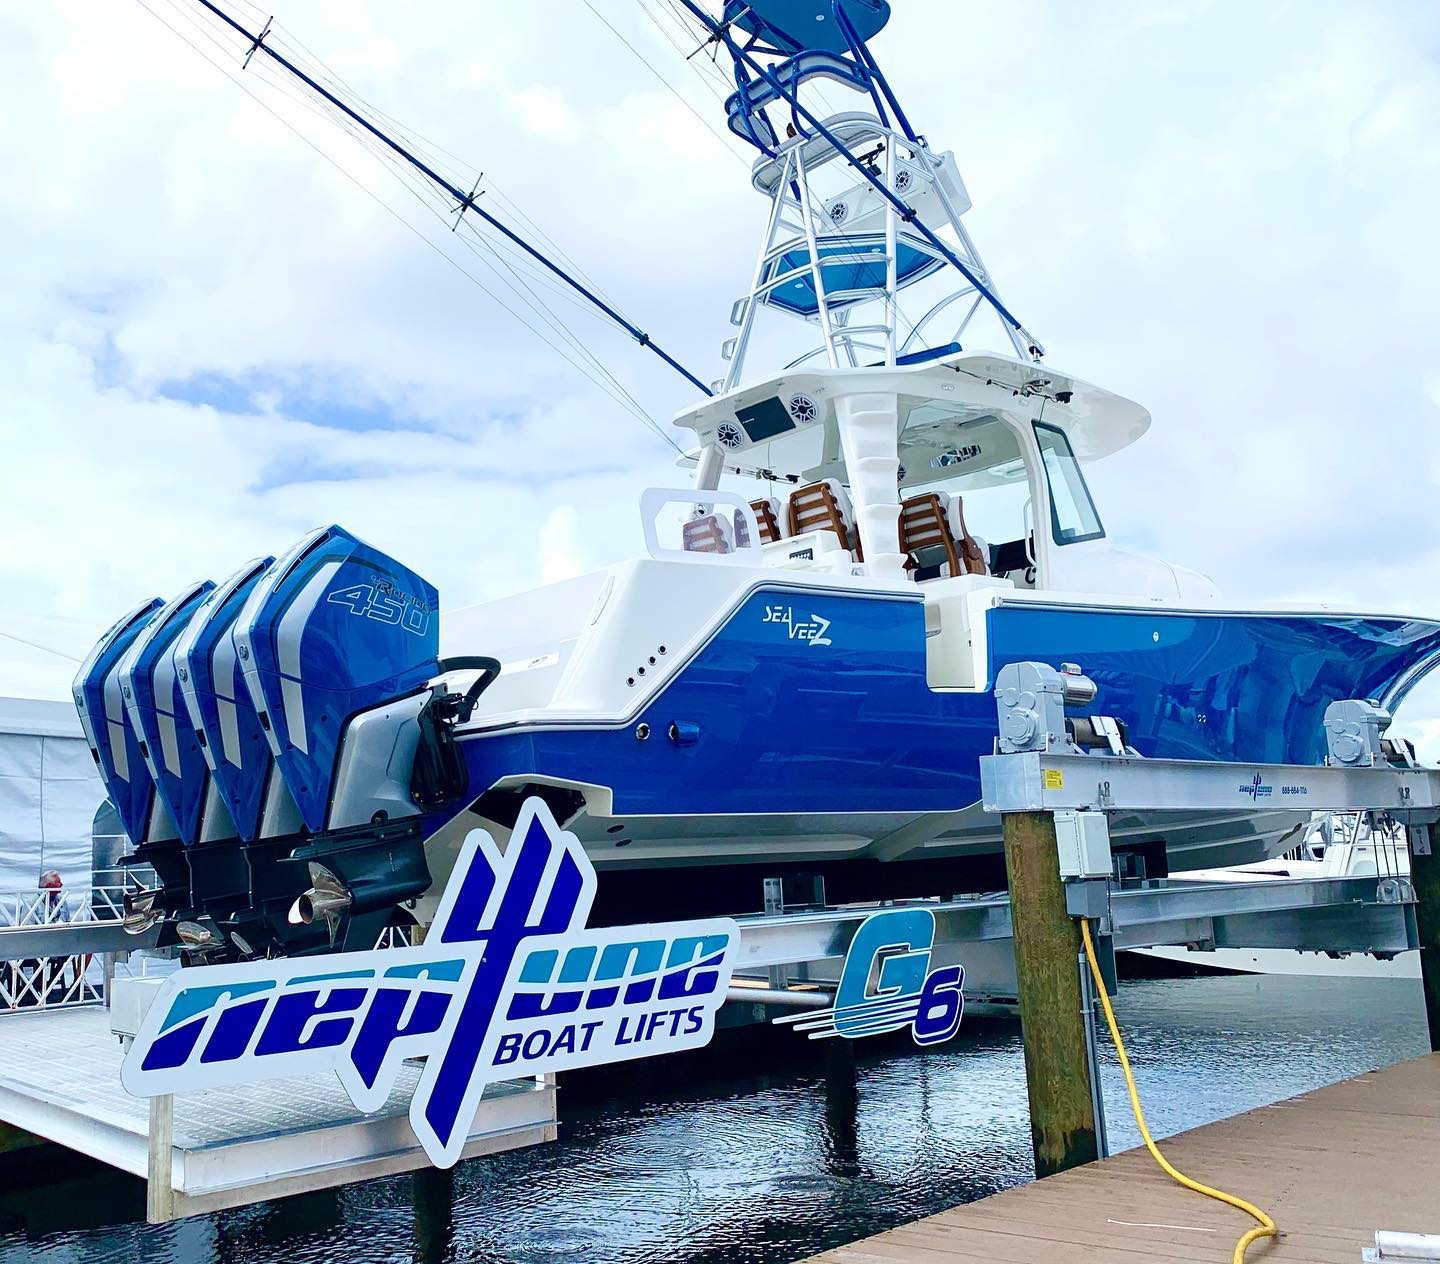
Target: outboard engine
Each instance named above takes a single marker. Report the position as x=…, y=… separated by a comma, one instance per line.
x=213, y=687
x=156, y=711
x=115, y=747
x=334, y=627
x=338, y=636
x=275, y=743
x=169, y=745
x=238, y=757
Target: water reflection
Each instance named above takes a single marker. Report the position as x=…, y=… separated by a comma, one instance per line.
x=764, y=1149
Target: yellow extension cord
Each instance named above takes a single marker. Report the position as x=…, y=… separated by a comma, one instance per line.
x=1266, y=1227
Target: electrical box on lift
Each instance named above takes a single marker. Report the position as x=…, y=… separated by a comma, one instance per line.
x=1083, y=843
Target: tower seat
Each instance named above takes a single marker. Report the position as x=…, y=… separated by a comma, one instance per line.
x=743, y=108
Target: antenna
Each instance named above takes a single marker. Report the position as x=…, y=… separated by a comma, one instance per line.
x=463, y=201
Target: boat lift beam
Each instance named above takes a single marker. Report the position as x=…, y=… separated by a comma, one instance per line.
x=1060, y=781
x=1309, y=914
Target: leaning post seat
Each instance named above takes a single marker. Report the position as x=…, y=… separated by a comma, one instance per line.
x=934, y=524
x=767, y=515
x=974, y=559
x=823, y=506
x=924, y=528
x=708, y=533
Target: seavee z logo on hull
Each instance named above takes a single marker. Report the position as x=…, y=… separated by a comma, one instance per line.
x=508, y=983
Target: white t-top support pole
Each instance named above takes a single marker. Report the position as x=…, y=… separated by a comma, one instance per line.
x=709, y=468
x=869, y=430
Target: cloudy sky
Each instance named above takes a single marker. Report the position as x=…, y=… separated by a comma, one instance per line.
x=216, y=333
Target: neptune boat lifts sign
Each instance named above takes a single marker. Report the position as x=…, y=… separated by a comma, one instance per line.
x=508, y=983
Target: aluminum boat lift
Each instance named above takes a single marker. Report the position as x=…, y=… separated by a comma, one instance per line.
x=206, y=1151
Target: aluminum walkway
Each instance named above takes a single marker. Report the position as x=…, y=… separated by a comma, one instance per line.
x=226, y=1147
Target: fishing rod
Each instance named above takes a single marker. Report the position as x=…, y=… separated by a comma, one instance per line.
x=464, y=201
x=720, y=33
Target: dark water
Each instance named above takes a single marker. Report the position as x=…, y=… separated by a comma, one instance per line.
x=764, y=1148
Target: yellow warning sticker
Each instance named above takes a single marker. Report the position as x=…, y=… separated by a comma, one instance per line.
x=1054, y=779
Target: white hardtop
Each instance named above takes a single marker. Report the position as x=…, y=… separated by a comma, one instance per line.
x=942, y=402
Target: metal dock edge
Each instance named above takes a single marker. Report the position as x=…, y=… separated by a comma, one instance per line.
x=312, y=1136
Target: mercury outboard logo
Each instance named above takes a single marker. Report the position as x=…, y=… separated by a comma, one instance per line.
x=385, y=603
x=508, y=983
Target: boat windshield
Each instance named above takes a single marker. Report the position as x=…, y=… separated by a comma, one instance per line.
x=1072, y=511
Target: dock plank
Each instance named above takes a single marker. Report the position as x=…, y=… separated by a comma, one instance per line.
x=1331, y=1166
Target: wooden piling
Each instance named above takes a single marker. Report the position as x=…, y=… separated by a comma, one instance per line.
x=160, y=1169
x=1425, y=878
x=1047, y=943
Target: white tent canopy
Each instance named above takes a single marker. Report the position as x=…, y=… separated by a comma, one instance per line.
x=50, y=792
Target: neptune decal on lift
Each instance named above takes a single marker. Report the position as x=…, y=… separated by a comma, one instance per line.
x=1256, y=788
x=508, y=983
x=887, y=984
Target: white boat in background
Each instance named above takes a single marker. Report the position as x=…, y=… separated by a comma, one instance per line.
x=1335, y=846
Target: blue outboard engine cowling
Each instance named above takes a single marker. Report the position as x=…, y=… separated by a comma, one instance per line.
x=113, y=743
x=218, y=703
x=335, y=626
x=169, y=743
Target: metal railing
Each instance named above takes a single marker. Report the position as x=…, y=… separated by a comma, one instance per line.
x=57, y=982
x=47, y=906
x=51, y=983
x=46, y=981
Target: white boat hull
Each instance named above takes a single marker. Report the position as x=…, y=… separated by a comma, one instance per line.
x=1290, y=961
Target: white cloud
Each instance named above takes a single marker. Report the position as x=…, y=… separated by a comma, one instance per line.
x=1228, y=219
x=544, y=111
x=560, y=548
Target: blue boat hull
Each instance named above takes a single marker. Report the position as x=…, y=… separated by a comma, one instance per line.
x=774, y=726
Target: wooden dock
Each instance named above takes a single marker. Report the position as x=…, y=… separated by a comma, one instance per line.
x=1330, y=1166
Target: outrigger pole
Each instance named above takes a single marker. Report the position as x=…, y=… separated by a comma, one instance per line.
x=464, y=201
x=720, y=33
